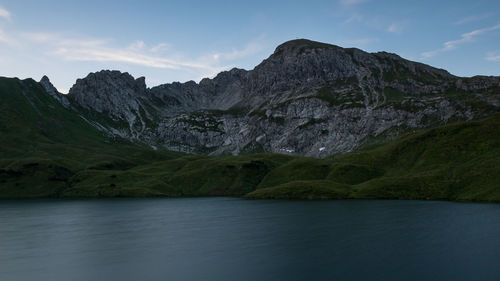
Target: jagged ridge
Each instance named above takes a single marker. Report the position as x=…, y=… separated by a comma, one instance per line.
x=307, y=98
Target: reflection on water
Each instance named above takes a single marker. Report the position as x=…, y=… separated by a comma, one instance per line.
x=235, y=239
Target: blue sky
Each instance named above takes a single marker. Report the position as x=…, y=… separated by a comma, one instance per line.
x=168, y=41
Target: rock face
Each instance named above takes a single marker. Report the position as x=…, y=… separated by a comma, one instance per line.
x=52, y=91
x=116, y=100
x=307, y=98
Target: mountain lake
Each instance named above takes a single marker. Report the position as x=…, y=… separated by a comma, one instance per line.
x=237, y=239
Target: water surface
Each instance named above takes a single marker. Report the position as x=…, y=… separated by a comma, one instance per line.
x=235, y=239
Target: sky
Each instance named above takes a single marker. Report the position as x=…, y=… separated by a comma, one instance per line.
x=168, y=41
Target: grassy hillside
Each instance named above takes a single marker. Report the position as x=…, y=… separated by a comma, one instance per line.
x=47, y=150
x=460, y=161
x=43, y=144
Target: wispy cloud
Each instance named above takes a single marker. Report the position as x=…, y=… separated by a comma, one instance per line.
x=351, y=2
x=466, y=37
x=3, y=37
x=104, y=54
x=137, y=45
x=395, y=28
x=4, y=13
x=160, y=47
x=6, y=38
x=162, y=55
x=493, y=56
x=354, y=18
x=102, y=50
x=54, y=47
x=57, y=39
x=250, y=49
x=472, y=18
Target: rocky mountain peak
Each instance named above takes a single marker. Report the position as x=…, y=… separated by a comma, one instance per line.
x=302, y=63
x=52, y=91
x=47, y=85
x=109, y=80
x=298, y=46
x=110, y=91
x=45, y=79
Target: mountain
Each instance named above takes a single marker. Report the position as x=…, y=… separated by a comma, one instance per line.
x=307, y=98
x=46, y=150
x=377, y=125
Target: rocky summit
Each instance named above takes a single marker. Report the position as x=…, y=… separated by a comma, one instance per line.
x=308, y=98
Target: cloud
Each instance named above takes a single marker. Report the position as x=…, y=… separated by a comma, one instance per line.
x=108, y=54
x=351, y=2
x=137, y=45
x=472, y=18
x=464, y=38
x=53, y=48
x=225, y=60
x=160, y=47
x=6, y=38
x=4, y=13
x=99, y=50
x=395, y=28
x=3, y=37
x=354, y=18
x=56, y=39
x=250, y=49
x=83, y=49
x=113, y=55
x=493, y=56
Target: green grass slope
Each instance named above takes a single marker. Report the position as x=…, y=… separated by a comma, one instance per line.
x=47, y=150
x=43, y=144
x=460, y=161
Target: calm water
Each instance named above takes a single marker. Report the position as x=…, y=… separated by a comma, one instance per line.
x=234, y=239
